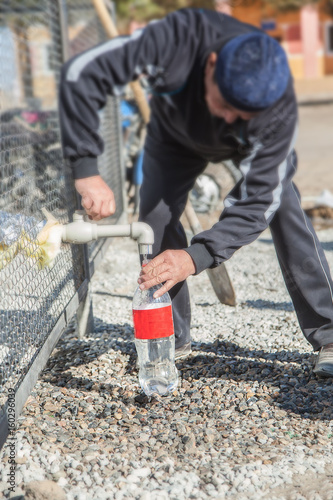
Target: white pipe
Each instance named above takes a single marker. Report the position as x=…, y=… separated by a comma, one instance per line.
x=80, y=231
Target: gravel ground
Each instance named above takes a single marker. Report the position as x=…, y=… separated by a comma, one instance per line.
x=249, y=420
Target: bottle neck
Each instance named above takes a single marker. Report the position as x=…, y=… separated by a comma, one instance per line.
x=145, y=262
x=152, y=289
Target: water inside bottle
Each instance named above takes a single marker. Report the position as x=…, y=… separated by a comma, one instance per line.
x=157, y=374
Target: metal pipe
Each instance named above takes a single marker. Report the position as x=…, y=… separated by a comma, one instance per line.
x=80, y=231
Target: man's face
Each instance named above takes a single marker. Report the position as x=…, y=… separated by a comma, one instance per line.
x=217, y=105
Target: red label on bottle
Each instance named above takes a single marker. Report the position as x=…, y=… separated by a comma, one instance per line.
x=153, y=323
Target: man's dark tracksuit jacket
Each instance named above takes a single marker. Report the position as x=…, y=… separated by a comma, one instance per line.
x=172, y=54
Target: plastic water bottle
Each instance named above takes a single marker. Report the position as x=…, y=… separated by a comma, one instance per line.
x=154, y=342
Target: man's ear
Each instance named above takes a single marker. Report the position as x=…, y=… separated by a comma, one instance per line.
x=211, y=61
x=213, y=57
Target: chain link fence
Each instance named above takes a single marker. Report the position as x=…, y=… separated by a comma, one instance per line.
x=36, y=36
x=85, y=31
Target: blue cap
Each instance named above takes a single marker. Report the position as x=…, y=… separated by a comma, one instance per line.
x=252, y=71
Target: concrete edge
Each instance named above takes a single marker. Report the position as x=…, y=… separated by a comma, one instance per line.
x=313, y=100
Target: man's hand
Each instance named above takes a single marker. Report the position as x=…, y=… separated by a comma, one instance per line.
x=97, y=198
x=171, y=267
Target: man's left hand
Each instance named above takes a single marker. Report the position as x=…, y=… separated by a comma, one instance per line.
x=170, y=267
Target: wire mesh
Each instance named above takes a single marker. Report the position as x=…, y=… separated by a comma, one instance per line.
x=33, y=174
x=85, y=31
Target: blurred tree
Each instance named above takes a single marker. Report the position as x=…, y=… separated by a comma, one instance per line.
x=284, y=5
x=140, y=10
x=144, y=10
x=205, y=4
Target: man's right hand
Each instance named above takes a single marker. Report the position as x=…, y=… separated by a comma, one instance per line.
x=97, y=198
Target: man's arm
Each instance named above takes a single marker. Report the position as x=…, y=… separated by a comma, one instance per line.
x=96, y=197
x=250, y=206
x=267, y=168
x=164, y=51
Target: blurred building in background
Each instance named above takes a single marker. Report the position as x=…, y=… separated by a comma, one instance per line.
x=28, y=57
x=305, y=33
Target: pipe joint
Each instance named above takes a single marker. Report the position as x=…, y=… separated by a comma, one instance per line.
x=142, y=232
